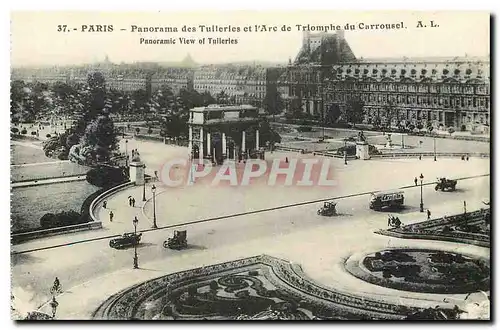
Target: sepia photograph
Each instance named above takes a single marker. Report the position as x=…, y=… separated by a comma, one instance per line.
x=250, y=165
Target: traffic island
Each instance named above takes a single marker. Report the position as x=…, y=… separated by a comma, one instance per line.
x=255, y=288
x=425, y=271
x=469, y=228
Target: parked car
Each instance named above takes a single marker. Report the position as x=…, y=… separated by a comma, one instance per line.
x=126, y=240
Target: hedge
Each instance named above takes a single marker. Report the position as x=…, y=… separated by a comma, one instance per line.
x=106, y=176
x=64, y=218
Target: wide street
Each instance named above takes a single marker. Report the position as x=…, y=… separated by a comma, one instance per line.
x=292, y=233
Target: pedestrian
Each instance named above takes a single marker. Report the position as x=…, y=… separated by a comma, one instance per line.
x=133, y=202
x=129, y=201
x=104, y=204
x=286, y=160
x=419, y=157
x=416, y=181
x=54, y=305
x=467, y=158
x=111, y=215
x=428, y=214
x=156, y=176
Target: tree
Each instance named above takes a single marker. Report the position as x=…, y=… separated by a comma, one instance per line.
x=420, y=126
x=267, y=134
x=355, y=111
x=390, y=113
x=451, y=130
x=100, y=137
x=332, y=114
x=18, y=93
x=429, y=126
x=175, y=125
x=222, y=98
x=377, y=121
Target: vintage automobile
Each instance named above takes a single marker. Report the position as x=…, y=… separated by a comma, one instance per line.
x=126, y=240
x=445, y=184
x=390, y=200
x=179, y=241
x=328, y=209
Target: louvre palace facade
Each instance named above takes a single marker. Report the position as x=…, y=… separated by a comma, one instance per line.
x=442, y=92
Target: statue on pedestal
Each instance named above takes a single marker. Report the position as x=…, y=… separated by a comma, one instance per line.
x=389, y=141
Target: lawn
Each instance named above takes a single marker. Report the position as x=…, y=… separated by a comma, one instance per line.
x=27, y=155
x=45, y=171
x=29, y=204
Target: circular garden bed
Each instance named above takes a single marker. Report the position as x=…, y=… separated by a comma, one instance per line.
x=418, y=270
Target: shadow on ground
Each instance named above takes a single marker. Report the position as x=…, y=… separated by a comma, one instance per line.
x=23, y=258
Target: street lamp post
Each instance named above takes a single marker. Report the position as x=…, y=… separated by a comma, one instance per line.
x=126, y=152
x=345, y=152
x=136, y=259
x=153, y=189
x=465, y=210
x=144, y=185
x=435, y=149
x=421, y=193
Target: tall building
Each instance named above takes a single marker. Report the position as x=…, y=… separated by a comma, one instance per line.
x=442, y=92
x=243, y=84
x=173, y=78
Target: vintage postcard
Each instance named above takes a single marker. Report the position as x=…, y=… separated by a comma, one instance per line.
x=250, y=165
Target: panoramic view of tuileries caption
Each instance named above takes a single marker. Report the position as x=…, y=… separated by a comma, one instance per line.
x=339, y=174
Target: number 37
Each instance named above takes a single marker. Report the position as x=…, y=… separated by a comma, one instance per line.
x=62, y=28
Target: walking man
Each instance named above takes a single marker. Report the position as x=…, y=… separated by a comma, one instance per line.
x=111, y=215
x=416, y=181
x=129, y=200
x=104, y=204
x=428, y=214
x=133, y=202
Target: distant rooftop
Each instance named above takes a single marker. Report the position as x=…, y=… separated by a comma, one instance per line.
x=435, y=59
x=219, y=107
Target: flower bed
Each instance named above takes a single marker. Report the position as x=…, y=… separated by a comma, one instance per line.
x=259, y=287
x=419, y=270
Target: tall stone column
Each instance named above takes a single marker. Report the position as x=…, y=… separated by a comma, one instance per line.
x=209, y=144
x=257, y=140
x=201, y=146
x=243, y=141
x=190, y=143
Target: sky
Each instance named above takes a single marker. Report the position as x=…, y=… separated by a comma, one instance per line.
x=35, y=39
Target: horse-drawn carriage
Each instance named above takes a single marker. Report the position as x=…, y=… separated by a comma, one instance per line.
x=445, y=184
x=179, y=241
x=328, y=209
